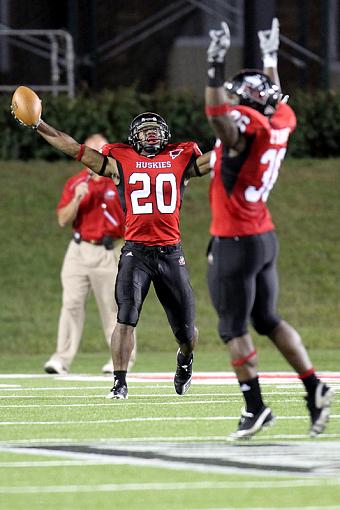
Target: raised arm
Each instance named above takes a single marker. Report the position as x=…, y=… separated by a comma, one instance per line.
x=91, y=158
x=25, y=110
x=216, y=101
x=269, y=44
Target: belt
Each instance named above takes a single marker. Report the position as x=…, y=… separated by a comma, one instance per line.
x=170, y=248
x=106, y=241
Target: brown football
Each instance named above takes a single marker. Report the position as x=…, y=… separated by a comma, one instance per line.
x=26, y=105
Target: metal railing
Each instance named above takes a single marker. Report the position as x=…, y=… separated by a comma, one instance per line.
x=56, y=46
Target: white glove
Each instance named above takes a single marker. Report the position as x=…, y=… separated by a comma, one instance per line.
x=219, y=44
x=269, y=44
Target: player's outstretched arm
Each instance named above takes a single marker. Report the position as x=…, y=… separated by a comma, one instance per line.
x=269, y=44
x=216, y=101
x=26, y=109
x=91, y=158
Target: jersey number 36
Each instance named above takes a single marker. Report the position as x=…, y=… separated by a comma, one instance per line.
x=273, y=158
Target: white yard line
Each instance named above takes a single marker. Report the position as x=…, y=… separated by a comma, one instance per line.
x=319, y=507
x=128, y=487
x=283, y=377
x=146, y=419
x=158, y=439
x=178, y=402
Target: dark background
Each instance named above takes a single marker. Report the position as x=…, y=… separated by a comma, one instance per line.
x=155, y=42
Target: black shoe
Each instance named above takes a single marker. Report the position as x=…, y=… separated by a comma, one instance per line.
x=183, y=376
x=119, y=392
x=319, y=407
x=250, y=423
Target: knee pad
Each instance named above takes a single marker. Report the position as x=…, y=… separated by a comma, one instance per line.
x=264, y=326
x=227, y=334
x=128, y=314
x=185, y=335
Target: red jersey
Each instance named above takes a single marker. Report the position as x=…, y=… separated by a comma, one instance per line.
x=151, y=190
x=100, y=212
x=240, y=185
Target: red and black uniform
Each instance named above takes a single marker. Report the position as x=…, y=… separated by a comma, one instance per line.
x=99, y=214
x=242, y=270
x=151, y=192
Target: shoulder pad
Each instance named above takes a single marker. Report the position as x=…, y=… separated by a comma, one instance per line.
x=283, y=116
x=112, y=146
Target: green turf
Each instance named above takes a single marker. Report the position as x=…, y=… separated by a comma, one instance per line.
x=57, y=410
x=305, y=208
x=216, y=359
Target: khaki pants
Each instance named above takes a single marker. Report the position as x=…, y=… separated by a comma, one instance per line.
x=86, y=267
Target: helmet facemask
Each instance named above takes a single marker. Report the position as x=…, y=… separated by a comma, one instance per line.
x=149, y=133
x=255, y=89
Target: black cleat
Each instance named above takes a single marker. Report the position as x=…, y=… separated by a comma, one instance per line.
x=319, y=407
x=251, y=423
x=183, y=376
x=118, y=392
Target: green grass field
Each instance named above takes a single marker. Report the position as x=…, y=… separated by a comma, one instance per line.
x=64, y=446
x=304, y=204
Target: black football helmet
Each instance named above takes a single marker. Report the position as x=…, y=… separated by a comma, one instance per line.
x=144, y=121
x=254, y=89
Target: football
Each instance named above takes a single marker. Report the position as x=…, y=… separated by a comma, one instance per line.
x=26, y=106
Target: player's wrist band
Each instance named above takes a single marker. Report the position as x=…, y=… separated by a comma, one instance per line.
x=215, y=74
x=217, y=109
x=102, y=170
x=81, y=152
x=196, y=168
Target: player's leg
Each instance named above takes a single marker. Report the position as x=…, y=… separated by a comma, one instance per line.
x=76, y=287
x=289, y=343
x=173, y=288
x=232, y=269
x=103, y=275
x=132, y=285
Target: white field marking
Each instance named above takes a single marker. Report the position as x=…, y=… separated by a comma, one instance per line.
x=146, y=419
x=332, y=507
x=52, y=463
x=128, y=487
x=154, y=439
x=154, y=462
x=236, y=396
x=2, y=386
x=5, y=445
x=222, y=377
x=106, y=404
x=177, y=402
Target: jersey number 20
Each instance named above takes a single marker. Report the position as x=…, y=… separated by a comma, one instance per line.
x=145, y=192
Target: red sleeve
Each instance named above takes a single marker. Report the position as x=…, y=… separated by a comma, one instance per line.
x=248, y=120
x=110, y=149
x=69, y=187
x=284, y=117
x=197, y=150
x=67, y=195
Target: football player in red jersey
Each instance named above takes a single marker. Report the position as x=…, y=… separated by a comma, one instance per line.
x=150, y=174
x=252, y=124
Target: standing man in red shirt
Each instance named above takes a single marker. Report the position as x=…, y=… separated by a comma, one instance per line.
x=252, y=138
x=91, y=204
x=150, y=174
